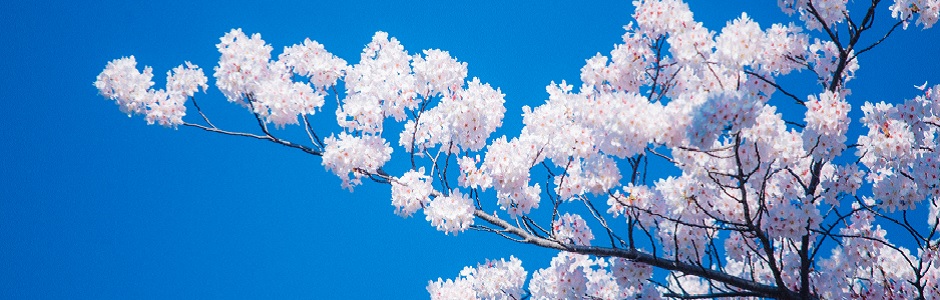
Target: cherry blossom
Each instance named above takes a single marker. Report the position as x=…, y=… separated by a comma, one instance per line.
x=450, y=214
x=312, y=60
x=926, y=11
x=748, y=197
x=572, y=229
x=827, y=121
x=381, y=84
x=494, y=279
x=411, y=192
x=462, y=120
x=131, y=90
x=122, y=82
x=438, y=73
x=352, y=157
x=246, y=72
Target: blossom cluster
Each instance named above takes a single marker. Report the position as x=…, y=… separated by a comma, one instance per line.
x=131, y=90
x=462, y=120
x=927, y=11
x=657, y=18
x=816, y=13
x=438, y=73
x=827, y=121
x=494, y=279
x=674, y=89
x=596, y=174
x=896, y=150
x=577, y=276
x=246, y=72
x=572, y=229
x=626, y=69
x=507, y=163
x=311, y=59
x=411, y=192
x=351, y=157
x=868, y=268
x=452, y=213
x=381, y=84
x=472, y=176
x=824, y=58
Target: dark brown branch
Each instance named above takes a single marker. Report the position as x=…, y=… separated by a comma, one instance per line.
x=712, y=295
x=762, y=290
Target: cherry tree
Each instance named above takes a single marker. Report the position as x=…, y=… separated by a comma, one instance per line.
x=761, y=205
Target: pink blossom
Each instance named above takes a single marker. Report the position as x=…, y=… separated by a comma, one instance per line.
x=122, y=82
x=131, y=90
x=572, y=229
x=450, y=214
x=312, y=60
x=494, y=279
x=411, y=192
x=350, y=157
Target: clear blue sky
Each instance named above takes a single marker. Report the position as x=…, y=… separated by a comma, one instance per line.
x=94, y=205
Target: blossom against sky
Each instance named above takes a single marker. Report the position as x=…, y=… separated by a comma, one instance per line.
x=96, y=205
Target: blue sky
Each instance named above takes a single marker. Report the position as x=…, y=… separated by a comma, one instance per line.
x=94, y=205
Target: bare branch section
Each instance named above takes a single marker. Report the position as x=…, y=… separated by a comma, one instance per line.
x=268, y=137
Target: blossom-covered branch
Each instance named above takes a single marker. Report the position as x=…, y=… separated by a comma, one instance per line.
x=752, y=208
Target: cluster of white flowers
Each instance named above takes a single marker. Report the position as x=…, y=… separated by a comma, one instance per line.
x=131, y=90
x=438, y=73
x=577, y=276
x=781, y=43
x=411, y=192
x=451, y=214
x=244, y=63
x=824, y=58
x=656, y=18
x=168, y=107
x=626, y=70
x=889, y=140
x=901, y=171
x=246, y=72
x=572, y=229
x=495, y=279
x=462, y=120
x=128, y=87
x=596, y=174
x=841, y=180
x=349, y=156
x=471, y=176
x=312, y=60
x=788, y=220
x=630, y=276
x=637, y=196
x=452, y=289
x=830, y=11
x=927, y=11
x=706, y=101
x=691, y=43
x=740, y=42
x=380, y=85
x=688, y=284
x=564, y=279
x=720, y=111
x=508, y=164
x=772, y=138
x=866, y=268
x=553, y=130
x=827, y=121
